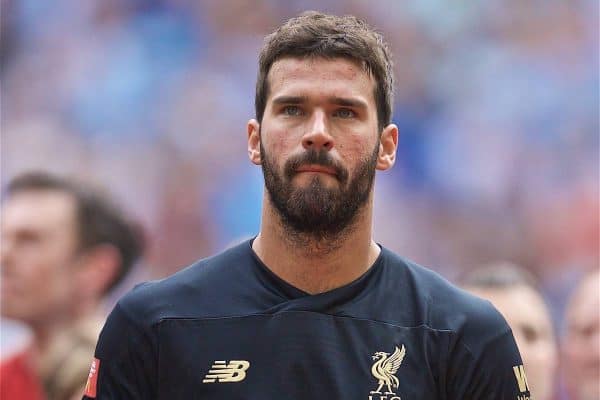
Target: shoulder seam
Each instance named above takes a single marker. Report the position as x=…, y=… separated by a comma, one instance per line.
x=133, y=322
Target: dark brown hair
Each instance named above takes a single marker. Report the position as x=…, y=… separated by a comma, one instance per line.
x=313, y=34
x=98, y=221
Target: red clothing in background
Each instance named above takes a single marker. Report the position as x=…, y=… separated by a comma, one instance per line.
x=18, y=381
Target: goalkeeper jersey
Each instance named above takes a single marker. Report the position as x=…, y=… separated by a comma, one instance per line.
x=228, y=328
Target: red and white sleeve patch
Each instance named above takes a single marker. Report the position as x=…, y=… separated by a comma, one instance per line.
x=90, y=386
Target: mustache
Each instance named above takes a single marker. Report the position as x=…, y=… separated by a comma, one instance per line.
x=314, y=157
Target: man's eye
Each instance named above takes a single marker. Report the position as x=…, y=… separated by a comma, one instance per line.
x=529, y=333
x=28, y=238
x=345, y=113
x=292, y=111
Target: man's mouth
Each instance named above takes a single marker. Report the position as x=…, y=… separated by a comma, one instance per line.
x=315, y=168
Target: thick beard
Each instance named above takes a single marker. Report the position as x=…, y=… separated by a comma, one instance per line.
x=317, y=213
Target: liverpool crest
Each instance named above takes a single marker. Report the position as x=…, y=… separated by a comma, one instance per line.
x=384, y=370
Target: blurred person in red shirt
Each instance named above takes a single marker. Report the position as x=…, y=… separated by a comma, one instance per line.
x=63, y=248
x=581, y=342
x=513, y=291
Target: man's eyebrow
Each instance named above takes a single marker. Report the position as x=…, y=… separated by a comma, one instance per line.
x=290, y=100
x=346, y=102
x=340, y=101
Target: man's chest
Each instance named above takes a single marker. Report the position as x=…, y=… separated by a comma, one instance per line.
x=298, y=355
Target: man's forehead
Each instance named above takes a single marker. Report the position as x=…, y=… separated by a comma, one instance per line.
x=36, y=207
x=587, y=292
x=348, y=65
x=518, y=300
x=293, y=70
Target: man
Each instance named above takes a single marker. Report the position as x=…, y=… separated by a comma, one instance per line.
x=513, y=292
x=312, y=308
x=581, y=343
x=63, y=248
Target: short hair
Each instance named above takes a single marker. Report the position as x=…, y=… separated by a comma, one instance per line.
x=98, y=221
x=313, y=34
x=499, y=275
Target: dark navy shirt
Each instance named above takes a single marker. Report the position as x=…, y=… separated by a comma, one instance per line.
x=228, y=328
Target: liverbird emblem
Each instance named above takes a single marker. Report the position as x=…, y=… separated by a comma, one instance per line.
x=385, y=368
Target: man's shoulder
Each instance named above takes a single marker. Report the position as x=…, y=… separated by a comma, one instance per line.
x=441, y=305
x=189, y=292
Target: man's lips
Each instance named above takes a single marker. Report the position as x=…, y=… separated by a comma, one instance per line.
x=317, y=169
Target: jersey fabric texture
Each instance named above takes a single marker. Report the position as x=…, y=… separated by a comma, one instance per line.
x=228, y=328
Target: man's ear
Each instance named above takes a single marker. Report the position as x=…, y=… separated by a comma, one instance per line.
x=98, y=269
x=388, y=144
x=253, y=128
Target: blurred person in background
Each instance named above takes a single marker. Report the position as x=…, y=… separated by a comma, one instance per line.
x=513, y=291
x=581, y=342
x=63, y=248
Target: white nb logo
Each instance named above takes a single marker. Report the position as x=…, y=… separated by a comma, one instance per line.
x=221, y=371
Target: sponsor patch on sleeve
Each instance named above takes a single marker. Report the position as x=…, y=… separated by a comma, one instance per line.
x=522, y=382
x=90, y=386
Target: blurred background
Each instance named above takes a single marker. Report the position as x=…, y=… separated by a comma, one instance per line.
x=497, y=103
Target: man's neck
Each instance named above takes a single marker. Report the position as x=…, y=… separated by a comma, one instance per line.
x=45, y=333
x=316, y=265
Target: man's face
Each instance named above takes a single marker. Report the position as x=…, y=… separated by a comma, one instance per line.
x=38, y=252
x=528, y=316
x=581, y=344
x=319, y=143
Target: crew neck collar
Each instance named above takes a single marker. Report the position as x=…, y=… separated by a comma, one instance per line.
x=290, y=292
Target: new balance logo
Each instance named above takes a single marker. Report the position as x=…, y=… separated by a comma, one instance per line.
x=221, y=371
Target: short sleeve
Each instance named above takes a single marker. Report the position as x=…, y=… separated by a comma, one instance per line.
x=495, y=374
x=125, y=362
x=485, y=362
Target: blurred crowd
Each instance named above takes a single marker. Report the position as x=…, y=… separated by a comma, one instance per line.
x=497, y=104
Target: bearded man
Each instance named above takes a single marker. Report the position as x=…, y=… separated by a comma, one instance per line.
x=312, y=307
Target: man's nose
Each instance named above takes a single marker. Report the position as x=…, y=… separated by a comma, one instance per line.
x=317, y=135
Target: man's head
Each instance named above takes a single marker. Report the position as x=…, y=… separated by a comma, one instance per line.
x=63, y=247
x=323, y=110
x=513, y=292
x=581, y=343
x=316, y=35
